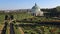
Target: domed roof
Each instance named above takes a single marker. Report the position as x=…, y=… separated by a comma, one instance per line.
x=35, y=7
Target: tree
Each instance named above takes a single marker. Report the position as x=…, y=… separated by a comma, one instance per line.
x=6, y=17
x=58, y=8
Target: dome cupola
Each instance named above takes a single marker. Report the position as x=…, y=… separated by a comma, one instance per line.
x=35, y=6
x=36, y=10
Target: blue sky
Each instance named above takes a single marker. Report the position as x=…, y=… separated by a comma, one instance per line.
x=27, y=4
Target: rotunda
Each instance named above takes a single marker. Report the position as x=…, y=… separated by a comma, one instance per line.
x=36, y=10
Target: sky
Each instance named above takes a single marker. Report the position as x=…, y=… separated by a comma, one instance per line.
x=27, y=4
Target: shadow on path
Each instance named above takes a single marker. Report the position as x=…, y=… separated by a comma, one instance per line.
x=11, y=29
x=4, y=29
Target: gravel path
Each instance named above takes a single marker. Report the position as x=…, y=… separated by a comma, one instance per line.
x=21, y=30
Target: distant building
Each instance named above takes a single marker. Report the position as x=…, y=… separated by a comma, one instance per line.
x=36, y=10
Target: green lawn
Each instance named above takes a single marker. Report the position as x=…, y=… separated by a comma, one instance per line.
x=2, y=18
